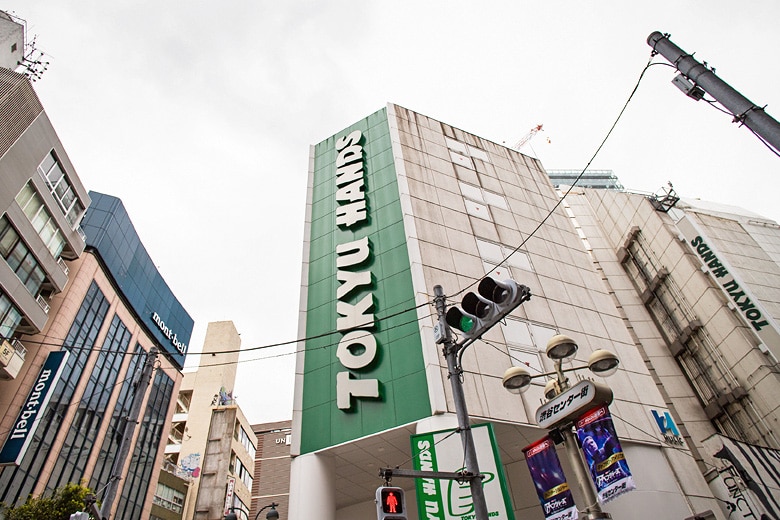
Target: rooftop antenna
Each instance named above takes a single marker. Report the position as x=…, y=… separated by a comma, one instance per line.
x=32, y=64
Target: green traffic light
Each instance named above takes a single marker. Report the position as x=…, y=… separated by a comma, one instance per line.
x=466, y=323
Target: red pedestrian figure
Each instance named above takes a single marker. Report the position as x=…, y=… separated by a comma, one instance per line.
x=392, y=502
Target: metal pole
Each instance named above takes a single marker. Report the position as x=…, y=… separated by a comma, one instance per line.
x=593, y=509
x=450, y=350
x=744, y=110
x=132, y=420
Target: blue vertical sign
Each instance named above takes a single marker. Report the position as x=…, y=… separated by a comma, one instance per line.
x=550, y=482
x=27, y=421
x=606, y=460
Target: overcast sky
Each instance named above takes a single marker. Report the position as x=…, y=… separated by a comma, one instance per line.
x=199, y=116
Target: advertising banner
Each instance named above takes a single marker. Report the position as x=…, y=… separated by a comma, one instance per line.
x=748, y=483
x=605, y=458
x=29, y=417
x=441, y=499
x=549, y=480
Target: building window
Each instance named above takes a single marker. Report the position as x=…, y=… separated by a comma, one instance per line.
x=463, y=149
x=241, y=471
x=20, y=258
x=494, y=254
x=243, y=437
x=91, y=408
x=10, y=317
x=169, y=498
x=33, y=206
x=150, y=433
x=17, y=482
x=478, y=200
x=526, y=342
x=61, y=189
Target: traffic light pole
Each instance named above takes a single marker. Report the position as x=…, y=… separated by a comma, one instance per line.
x=745, y=111
x=450, y=349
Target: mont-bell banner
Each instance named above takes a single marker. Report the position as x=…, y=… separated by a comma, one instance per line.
x=605, y=458
x=22, y=431
x=549, y=480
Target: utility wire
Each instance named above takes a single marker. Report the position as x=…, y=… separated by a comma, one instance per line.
x=563, y=197
x=409, y=309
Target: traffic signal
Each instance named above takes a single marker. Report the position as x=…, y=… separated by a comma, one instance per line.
x=492, y=302
x=390, y=503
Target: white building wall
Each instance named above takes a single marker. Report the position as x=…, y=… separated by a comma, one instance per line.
x=468, y=203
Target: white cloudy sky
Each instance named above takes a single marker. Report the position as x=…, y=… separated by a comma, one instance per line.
x=199, y=116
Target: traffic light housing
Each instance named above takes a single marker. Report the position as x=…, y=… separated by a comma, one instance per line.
x=490, y=304
x=390, y=503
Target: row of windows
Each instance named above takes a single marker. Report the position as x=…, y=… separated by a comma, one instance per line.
x=51, y=170
x=525, y=341
x=169, y=498
x=243, y=437
x=152, y=428
x=90, y=413
x=44, y=224
x=239, y=470
x=17, y=482
x=20, y=258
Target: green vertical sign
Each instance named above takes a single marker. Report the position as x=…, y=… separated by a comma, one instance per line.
x=443, y=499
x=363, y=367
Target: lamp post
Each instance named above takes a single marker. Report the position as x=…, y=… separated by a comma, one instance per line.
x=273, y=514
x=602, y=363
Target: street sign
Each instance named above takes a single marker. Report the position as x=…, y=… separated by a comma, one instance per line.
x=572, y=403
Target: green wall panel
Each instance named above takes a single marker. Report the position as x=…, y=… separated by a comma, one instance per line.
x=398, y=364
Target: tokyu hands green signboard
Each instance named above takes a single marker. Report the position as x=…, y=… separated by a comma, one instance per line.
x=449, y=499
x=363, y=366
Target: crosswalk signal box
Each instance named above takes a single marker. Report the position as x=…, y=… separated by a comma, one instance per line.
x=390, y=503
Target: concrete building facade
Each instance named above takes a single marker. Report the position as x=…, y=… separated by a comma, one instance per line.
x=42, y=201
x=210, y=439
x=700, y=285
x=65, y=415
x=399, y=203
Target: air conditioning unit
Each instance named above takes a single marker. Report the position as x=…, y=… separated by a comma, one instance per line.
x=43, y=303
x=11, y=359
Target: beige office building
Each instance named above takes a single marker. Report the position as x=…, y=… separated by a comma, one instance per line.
x=211, y=439
x=399, y=203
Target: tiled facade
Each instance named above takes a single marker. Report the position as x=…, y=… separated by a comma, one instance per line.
x=470, y=207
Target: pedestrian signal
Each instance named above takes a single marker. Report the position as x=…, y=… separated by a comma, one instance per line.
x=391, y=504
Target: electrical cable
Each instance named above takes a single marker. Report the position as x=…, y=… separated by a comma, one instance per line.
x=563, y=197
x=326, y=334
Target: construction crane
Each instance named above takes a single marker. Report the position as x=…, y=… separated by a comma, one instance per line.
x=527, y=137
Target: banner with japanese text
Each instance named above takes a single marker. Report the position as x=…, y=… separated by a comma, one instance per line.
x=602, y=451
x=549, y=480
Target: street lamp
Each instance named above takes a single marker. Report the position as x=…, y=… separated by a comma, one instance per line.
x=273, y=514
x=602, y=363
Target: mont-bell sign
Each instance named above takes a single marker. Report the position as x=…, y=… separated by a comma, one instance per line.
x=23, y=429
